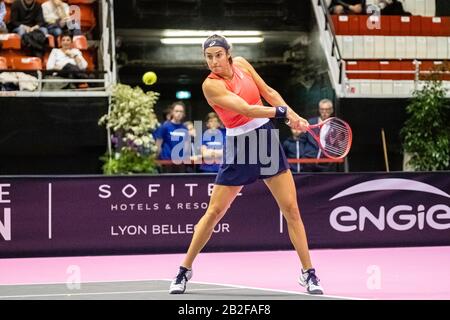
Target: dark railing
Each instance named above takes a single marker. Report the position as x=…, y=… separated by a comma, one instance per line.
x=334, y=46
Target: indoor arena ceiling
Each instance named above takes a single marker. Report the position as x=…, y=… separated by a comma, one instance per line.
x=271, y=15
x=285, y=26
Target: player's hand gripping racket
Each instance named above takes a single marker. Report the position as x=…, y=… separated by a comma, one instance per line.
x=334, y=137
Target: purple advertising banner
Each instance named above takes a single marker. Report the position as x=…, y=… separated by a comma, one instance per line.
x=96, y=215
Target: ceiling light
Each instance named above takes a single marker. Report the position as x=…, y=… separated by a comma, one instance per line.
x=204, y=33
x=201, y=40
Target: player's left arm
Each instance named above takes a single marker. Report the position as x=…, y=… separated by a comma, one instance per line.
x=269, y=94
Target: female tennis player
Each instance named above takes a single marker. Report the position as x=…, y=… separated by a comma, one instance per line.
x=234, y=90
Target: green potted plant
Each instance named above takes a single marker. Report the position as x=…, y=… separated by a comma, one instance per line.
x=131, y=121
x=426, y=132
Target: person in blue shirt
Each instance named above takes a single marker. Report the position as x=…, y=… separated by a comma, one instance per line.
x=167, y=115
x=171, y=134
x=212, y=144
x=292, y=149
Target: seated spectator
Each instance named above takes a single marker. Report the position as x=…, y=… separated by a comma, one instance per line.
x=57, y=16
x=347, y=7
x=26, y=17
x=69, y=62
x=392, y=8
x=3, y=28
x=291, y=147
x=212, y=144
x=308, y=145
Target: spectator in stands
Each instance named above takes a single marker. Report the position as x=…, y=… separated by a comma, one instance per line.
x=69, y=62
x=196, y=152
x=195, y=148
x=3, y=28
x=172, y=133
x=167, y=115
x=57, y=16
x=291, y=147
x=308, y=145
x=392, y=8
x=212, y=144
x=26, y=17
x=347, y=7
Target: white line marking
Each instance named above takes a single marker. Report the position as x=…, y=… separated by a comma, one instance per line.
x=197, y=282
x=281, y=222
x=233, y=286
x=84, y=282
x=277, y=290
x=49, y=210
x=106, y=293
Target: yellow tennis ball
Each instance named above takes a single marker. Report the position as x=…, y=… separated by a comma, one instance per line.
x=149, y=78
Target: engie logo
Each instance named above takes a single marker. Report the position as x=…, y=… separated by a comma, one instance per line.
x=399, y=217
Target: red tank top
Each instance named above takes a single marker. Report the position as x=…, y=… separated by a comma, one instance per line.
x=244, y=86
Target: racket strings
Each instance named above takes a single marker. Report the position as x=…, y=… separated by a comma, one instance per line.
x=337, y=138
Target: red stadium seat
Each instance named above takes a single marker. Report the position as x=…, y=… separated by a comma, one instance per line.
x=347, y=25
x=386, y=66
x=426, y=25
x=10, y=54
x=445, y=32
x=3, y=63
x=440, y=26
x=446, y=67
x=407, y=65
x=426, y=65
x=378, y=28
x=87, y=16
x=354, y=28
x=334, y=18
x=416, y=25
x=429, y=65
x=400, y=26
x=363, y=66
x=10, y=41
x=26, y=63
x=352, y=66
x=80, y=42
x=397, y=65
x=90, y=59
x=369, y=66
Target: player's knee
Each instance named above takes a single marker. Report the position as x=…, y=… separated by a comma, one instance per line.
x=215, y=212
x=291, y=212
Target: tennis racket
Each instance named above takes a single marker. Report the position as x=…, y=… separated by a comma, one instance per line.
x=334, y=137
